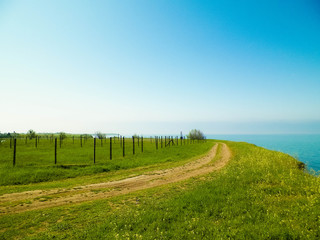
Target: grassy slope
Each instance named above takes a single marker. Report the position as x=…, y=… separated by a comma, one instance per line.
x=261, y=194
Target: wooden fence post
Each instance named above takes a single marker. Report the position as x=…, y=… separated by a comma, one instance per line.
x=141, y=144
x=55, y=150
x=123, y=147
x=14, y=151
x=36, y=141
x=94, y=150
x=161, y=141
x=110, y=148
x=133, y=147
x=81, y=140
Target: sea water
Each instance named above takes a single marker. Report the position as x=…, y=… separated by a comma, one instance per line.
x=306, y=148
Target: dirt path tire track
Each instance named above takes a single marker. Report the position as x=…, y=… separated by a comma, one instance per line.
x=39, y=199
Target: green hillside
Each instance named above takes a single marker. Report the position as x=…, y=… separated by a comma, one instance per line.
x=260, y=194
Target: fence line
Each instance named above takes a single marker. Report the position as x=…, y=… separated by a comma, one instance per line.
x=159, y=142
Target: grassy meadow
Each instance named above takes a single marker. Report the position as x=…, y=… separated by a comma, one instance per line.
x=260, y=194
x=36, y=164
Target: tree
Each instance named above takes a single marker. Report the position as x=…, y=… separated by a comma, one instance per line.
x=62, y=135
x=4, y=135
x=100, y=135
x=196, y=134
x=31, y=134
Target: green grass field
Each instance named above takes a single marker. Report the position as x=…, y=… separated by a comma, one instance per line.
x=34, y=165
x=260, y=194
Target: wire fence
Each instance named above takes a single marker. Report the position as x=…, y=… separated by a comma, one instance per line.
x=81, y=150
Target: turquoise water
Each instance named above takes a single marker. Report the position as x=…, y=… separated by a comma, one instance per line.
x=306, y=148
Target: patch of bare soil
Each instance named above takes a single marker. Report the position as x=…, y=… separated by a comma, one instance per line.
x=38, y=199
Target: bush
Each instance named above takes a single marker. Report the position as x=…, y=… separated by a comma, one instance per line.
x=100, y=135
x=62, y=135
x=195, y=134
x=31, y=134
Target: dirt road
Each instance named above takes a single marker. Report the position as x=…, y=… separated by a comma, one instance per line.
x=39, y=199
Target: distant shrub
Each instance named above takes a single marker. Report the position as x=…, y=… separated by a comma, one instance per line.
x=31, y=134
x=100, y=135
x=301, y=165
x=196, y=134
x=62, y=135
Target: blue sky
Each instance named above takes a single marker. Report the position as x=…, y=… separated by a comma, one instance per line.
x=160, y=66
